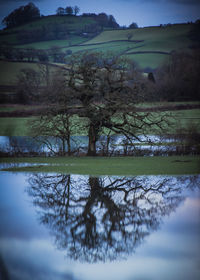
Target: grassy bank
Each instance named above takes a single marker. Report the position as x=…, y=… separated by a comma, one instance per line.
x=175, y=165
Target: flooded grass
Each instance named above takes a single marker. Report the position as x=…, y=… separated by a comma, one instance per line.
x=174, y=165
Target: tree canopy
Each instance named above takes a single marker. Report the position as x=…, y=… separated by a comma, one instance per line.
x=21, y=15
x=133, y=25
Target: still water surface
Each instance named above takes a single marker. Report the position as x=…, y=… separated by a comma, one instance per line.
x=72, y=227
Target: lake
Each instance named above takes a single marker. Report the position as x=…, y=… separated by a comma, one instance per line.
x=78, y=227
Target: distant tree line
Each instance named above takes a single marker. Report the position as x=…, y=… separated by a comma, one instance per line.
x=22, y=15
x=69, y=10
x=103, y=19
x=54, y=54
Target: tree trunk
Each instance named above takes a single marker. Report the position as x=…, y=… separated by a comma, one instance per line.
x=93, y=132
x=68, y=146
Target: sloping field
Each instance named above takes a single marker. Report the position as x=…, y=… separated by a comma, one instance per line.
x=72, y=40
x=149, y=60
x=150, y=46
x=50, y=24
x=115, y=46
x=171, y=37
x=72, y=23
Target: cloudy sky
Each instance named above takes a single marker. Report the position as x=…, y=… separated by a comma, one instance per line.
x=144, y=12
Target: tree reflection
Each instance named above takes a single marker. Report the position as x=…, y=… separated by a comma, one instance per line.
x=101, y=218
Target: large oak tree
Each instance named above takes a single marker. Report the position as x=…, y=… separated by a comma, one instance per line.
x=103, y=91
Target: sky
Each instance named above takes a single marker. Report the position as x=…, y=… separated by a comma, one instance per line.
x=143, y=12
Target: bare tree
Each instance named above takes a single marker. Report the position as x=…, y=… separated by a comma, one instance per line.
x=54, y=130
x=129, y=35
x=76, y=10
x=103, y=91
x=106, y=89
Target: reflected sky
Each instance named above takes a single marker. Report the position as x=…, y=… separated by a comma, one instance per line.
x=29, y=249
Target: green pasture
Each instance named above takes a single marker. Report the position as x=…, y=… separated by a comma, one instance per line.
x=116, y=47
x=153, y=39
x=180, y=119
x=175, y=165
x=14, y=127
x=186, y=118
x=44, y=45
x=151, y=60
x=8, y=38
x=156, y=34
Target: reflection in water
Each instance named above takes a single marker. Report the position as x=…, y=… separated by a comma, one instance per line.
x=3, y=270
x=104, y=218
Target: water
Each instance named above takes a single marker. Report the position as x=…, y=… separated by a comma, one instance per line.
x=56, y=226
x=116, y=145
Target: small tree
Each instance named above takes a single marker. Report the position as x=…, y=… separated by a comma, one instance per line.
x=60, y=11
x=56, y=125
x=57, y=54
x=133, y=25
x=129, y=35
x=76, y=10
x=69, y=10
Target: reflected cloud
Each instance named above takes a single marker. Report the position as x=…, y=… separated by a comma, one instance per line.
x=34, y=259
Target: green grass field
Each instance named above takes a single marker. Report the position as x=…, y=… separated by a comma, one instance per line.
x=153, y=39
x=14, y=127
x=175, y=165
x=44, y=45
x=149, y=60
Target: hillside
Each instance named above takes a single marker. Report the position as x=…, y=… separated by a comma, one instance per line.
x=50, y=28
x=55, y=38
